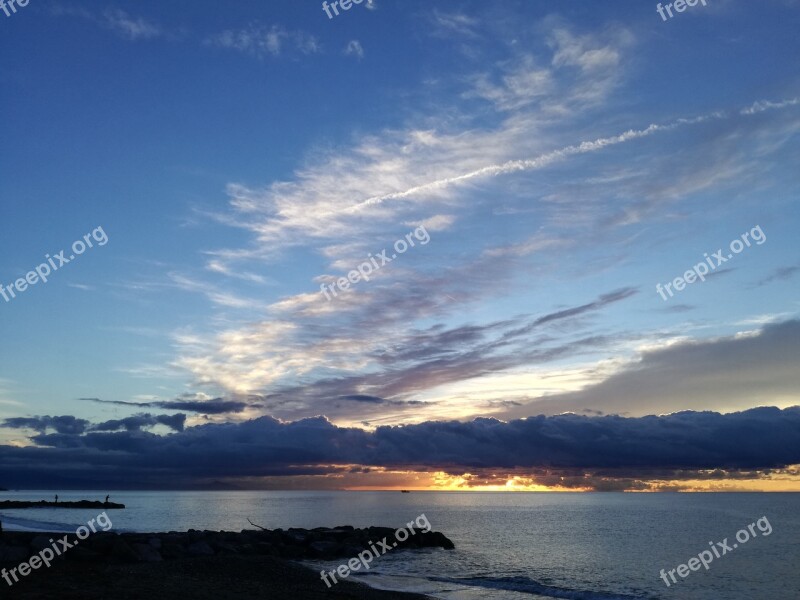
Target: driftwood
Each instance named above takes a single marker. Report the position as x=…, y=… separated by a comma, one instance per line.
x=259, y=526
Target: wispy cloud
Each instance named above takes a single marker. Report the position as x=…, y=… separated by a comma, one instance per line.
x=261, y=40
x=198, y=403
x=780, y=274
x=217, y=266
x=217, y=296
x=241, y=360
x=354, y=48
x=130, y=27
x=454, y=24
x=81, y=286
x=419, y=165
x=117, y=20
x=446, y=172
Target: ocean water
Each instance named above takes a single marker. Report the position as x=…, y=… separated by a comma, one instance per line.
x=600, y=546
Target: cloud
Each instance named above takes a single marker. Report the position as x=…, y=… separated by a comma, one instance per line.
x=780, y=274
x=418, y=165
x=69, y=425
x=539, y=162
x=260, y=41
x=454, y=24
x=582, y=72
x=216, y=266
x=354, y=48
x=329, y=346
x=116, y=20
x=271, y=355
x=132, y=28
x=530, y=136
x=137, y=422
x=761, y=438
x=435, y=223
x=221, y=298
x=216, y=406
x=66, y=424
x=679, y=308
x=363, y=398
x=81, y=286
x=602, y=301
x=587, y=52
x=725, y=373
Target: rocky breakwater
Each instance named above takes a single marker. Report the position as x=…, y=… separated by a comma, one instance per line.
x=297, y=544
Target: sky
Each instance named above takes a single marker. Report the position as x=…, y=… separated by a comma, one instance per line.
x=518, y=245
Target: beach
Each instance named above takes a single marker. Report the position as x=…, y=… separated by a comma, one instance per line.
x=245, y=577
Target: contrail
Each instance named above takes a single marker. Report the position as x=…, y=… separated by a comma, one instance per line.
x=543, y=160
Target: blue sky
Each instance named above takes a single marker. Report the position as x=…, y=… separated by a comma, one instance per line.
x=563, y=157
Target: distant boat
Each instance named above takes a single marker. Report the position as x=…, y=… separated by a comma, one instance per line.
x=404, y=492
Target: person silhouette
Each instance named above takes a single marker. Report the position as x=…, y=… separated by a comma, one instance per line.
x=56, y=498
x=107, y=497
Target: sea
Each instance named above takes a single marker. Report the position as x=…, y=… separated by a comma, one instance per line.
x=522, y=545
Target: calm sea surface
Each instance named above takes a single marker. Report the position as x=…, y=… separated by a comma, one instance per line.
x=520, y=545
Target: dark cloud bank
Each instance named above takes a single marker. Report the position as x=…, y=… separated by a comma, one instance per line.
x=119, y=454
x=69, y=425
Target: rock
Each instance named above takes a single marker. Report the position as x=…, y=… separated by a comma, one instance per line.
x=40, y=542
x=155, y=543
x=102, y=541
x=172, y=551
x=14, y=554
x=326, y=549
x=292, y=552
x=173, y=538
x=225, y=548
x=147, y=553
x=378, y=533
x=436, y=539
x=299, y=544
x=195, y=536
x=297, y=536
x=338, y=534
x=200, y=549
x=122, y=552
x=81, y=554
x=266, y=549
